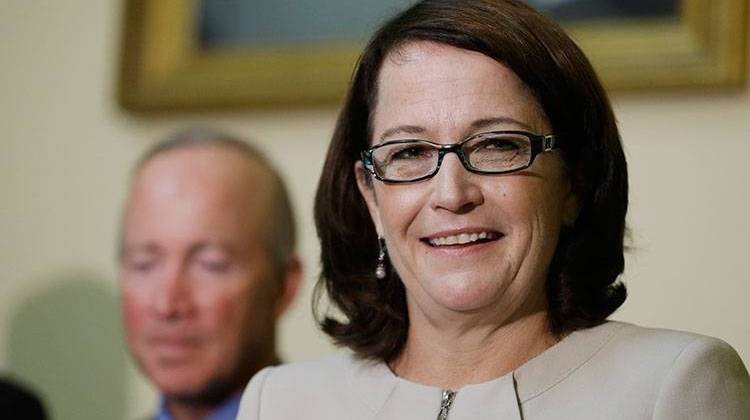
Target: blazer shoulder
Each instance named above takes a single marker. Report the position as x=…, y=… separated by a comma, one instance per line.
x=707, y=380
x=320, y=383
x=311, y=373
x=666, y=341
x=656, y=346
x=696, y=376
x=614, y=354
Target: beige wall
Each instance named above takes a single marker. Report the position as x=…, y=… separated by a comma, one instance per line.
x=66, y=149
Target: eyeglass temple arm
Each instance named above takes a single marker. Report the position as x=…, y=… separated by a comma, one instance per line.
x=549, y=142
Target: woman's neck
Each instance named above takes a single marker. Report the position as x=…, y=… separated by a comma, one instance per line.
x=450, y=357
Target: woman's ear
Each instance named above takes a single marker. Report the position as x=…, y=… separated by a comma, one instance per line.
x=367, y=190
x=570, y=209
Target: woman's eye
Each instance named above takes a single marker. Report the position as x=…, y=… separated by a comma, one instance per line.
x=414, y=152
x=498, y=145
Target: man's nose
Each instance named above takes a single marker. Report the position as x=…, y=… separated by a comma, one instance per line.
x=454, y=187
x=173, y=297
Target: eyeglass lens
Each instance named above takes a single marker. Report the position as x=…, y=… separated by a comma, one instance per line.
x=409, y=160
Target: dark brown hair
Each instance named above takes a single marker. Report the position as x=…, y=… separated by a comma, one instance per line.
x=582, y=286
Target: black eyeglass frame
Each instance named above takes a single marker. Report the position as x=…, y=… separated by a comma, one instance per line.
x=539, y=144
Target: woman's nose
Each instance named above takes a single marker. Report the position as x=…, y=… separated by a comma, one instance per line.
x=455, y=188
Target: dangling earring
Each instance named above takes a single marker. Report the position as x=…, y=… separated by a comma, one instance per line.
x=380, y=267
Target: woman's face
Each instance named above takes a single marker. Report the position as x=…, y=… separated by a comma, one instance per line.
x=444, y=94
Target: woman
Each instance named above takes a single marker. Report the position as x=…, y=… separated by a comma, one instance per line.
x=471, y=215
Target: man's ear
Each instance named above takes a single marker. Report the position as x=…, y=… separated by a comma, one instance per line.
x=364, y=184
x=290, y=282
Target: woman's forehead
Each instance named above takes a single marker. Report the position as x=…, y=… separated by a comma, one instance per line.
x=444, y=89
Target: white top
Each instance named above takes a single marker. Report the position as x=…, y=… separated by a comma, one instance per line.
x=613, y=371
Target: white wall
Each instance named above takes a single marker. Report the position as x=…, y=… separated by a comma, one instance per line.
x=66, y=150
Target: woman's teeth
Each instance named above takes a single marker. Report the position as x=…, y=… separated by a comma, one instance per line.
x=461, y=239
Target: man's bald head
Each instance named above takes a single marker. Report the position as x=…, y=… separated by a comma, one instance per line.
x=281, y=232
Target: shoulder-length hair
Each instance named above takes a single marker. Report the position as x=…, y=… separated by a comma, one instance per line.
x=370, y=315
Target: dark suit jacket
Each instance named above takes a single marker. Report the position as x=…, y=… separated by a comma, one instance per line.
x=19, y=403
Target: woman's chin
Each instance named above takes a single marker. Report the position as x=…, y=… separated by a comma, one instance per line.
x=465, y=293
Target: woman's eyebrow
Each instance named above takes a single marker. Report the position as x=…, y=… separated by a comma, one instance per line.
x=483, y=123
x=405, y=129
x=479, y=124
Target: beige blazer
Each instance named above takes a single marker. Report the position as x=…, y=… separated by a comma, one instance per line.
x=613, y=371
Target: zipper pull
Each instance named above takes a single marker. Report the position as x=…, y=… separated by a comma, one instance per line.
x=445, y=404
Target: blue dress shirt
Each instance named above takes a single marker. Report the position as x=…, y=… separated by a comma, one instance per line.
x=226, y=411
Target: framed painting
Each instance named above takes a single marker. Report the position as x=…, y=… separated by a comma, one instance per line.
x=180, y=54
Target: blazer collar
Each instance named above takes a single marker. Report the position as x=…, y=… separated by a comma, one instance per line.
x=380, y=390
x=557, y=362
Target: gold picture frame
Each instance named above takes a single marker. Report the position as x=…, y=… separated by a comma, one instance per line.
x=161, y=69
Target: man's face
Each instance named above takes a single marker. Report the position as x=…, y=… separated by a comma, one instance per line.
x=200, y=295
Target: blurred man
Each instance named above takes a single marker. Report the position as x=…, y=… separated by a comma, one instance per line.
x=207, y=266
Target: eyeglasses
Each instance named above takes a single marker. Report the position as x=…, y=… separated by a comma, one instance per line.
x=493, y=152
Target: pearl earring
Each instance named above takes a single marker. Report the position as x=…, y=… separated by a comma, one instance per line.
x=380, y=267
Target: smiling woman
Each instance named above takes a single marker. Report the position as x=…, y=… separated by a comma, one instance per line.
x=471, y=213
x=443, y=92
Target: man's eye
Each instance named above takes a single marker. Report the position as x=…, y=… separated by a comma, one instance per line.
x=215, y=266
x=140, y=265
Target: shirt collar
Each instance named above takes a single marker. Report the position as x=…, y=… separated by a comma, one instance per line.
x=226, y=411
